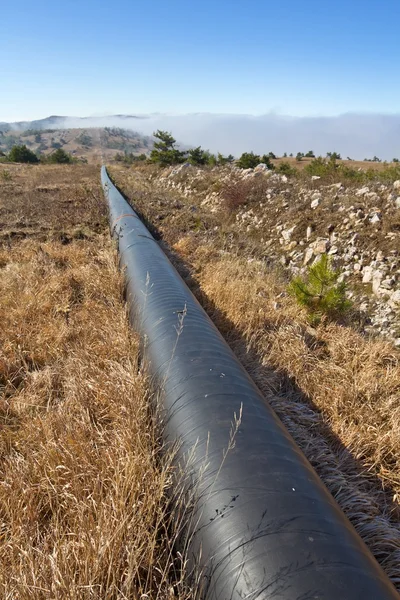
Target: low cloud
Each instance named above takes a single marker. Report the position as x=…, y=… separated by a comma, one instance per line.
x=355, y=135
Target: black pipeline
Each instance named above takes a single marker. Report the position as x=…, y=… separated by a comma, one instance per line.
x=265, y=527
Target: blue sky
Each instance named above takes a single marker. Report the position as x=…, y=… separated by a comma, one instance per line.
x=297, y=58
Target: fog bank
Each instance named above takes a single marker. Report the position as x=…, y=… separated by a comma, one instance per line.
x=355, y=135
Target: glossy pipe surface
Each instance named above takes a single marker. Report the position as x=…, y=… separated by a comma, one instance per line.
x=265, y=526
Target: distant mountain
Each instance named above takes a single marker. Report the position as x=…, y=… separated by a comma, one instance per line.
x=65, y=122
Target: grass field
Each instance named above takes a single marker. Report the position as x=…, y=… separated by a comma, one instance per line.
x=335, y=390
x=83, y=482
x=353, y=164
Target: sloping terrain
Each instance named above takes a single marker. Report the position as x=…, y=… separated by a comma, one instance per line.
x=335, y=386
x=291, y=220
x=83, y=485
x=95, y=144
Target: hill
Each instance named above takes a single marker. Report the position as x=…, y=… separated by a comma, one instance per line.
x=64, y=122
x=95, y=144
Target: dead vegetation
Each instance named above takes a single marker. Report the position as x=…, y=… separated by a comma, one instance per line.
x=84, y=484
x=337, y=392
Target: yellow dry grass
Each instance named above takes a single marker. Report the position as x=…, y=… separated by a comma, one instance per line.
x=83, y=484
x=337, y=392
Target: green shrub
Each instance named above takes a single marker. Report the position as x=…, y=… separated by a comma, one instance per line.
x=129, y=158
x=5, y=175
x=331, y=170
x=197, y=156
x=212, y=160
x=164, y=152
x=22, y=154
x=223, y=160
x=285, y=168
x=299, y=156
x=320, y=292
x=59, y=157
x=249, y=160
x=321, y=167
x=266, y=159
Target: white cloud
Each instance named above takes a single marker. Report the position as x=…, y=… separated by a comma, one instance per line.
x=354, y=135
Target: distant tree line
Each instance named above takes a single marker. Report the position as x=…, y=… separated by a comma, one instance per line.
x=165, y=153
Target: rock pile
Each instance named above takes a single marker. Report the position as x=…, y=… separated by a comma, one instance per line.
x=295, y=221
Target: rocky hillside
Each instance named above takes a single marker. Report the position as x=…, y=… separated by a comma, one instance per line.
x=93, y=144
x=290, y=221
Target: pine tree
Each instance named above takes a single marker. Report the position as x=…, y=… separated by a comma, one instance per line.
x=164, y=152
x=320, y=291
x=22, y=154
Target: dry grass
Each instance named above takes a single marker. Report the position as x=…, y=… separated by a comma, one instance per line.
x=44, y=201
x=353, y=164
x=337, y=393
x=83, y=489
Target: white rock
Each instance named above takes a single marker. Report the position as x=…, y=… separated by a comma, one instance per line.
x=367, y=274
x=261, y=167
x=309, y=232
x=372, y=196
x=375, y=218
x=287, y=233
x=315, y=203
x=395, y=299
x=320, y=246
x=315, y=177
x=362, y=191
x=333, y=250
x=309, y=253
x=387, y=284
x=396, y=185
x=291, y=246
x=397, y=202
x=376, y=281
